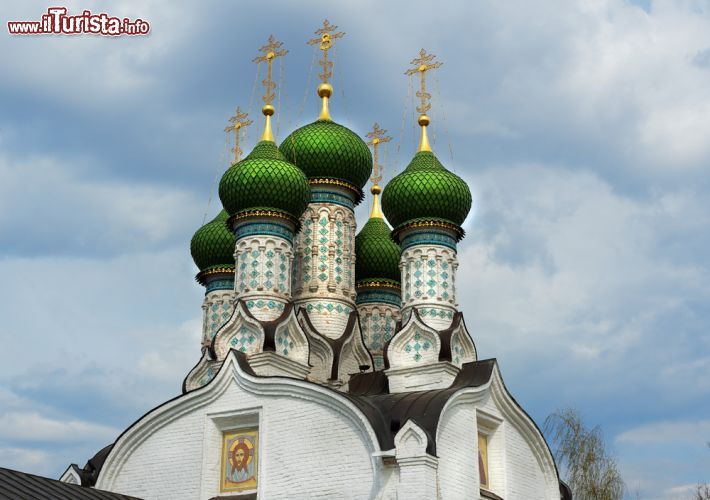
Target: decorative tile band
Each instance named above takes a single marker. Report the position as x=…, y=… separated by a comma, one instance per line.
x=378, y=296
x=261, y=304
x=425, y=312
x=428, y=237
x=324, y=196
x=327, y=306
x=219, y=284
x=262, y=229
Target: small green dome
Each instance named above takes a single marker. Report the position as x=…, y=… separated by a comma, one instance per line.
x=325, y=149
x=265, y=180
x=426, y=190
x=377, y=255
x=213, y=244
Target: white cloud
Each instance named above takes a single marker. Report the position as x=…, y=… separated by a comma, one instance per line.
x=556, y=260
x=31, y=426
x=92, y=72
x=586, y=257
x=692, y=432
x=76, y=213
x=23, y=459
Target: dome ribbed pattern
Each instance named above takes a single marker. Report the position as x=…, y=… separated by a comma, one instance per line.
x=426, y=190
x=213, y=244
x=265, y=180
x=377, y=253
x=324, y=149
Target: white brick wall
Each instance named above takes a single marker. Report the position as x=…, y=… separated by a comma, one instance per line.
x=308, y=450
x=458, y=455
x=313, y=444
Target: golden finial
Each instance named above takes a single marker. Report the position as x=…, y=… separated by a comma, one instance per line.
x=422, y=64
x=377, y=137
x=269, y=52
x=237, y=122
x=324, y=40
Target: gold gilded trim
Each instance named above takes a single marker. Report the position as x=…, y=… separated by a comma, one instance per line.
x=334, y=182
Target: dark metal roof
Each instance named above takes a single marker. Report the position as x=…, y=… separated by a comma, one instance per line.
x=90, y=473
x=565, y=491
x=22, y=486
x=389, y=412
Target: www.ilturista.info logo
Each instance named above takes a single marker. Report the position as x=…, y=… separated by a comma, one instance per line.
x=57, y=22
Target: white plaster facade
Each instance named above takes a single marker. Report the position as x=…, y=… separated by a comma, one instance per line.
x=315, y=443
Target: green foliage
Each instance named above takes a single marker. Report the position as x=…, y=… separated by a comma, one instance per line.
x=592, y=473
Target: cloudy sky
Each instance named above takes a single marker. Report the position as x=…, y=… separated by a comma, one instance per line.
x=582, y=127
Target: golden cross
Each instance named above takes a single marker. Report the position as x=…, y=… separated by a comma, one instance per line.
x=377, y=137
x=270, y=51
x=422, y=64
x=237, y=121
x=325, y=40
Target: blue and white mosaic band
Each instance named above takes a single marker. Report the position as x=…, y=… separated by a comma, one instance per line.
x=264, y=229
x=428, y=237
x=379, y=296
x=319, y=195
x=219, y=284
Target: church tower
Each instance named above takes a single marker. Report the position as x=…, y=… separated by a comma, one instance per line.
x=427, y=204
x=337, y=163
x=264, y=196
x=212, y=249
x=377, y=277
x=294, y=324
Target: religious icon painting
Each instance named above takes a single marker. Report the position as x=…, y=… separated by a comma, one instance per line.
x=240, y=458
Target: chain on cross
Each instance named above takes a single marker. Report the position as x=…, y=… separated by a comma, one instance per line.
x=422, y=64
x=269, y=52
x=325, y=38
x=236, y=123
x=377, y=137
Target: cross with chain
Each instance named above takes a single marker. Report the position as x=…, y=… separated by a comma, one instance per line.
x=237, y=122
x=377, y=137
x=325, y=39
x=269, y=52
x=422, y=64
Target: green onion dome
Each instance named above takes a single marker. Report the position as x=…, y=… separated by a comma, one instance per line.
x=264, y=180
x=377, y=255
x=212, y=246
x=426, y=190
x=326, y=150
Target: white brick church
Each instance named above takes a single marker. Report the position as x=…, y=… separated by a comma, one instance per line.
x=334, y=364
